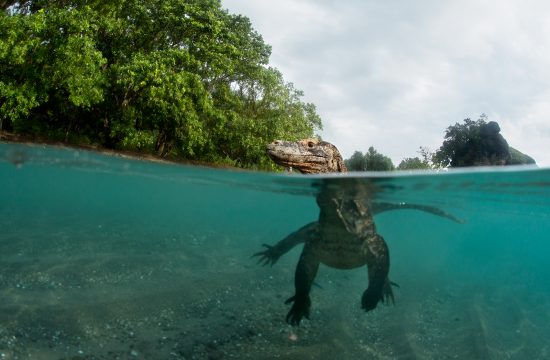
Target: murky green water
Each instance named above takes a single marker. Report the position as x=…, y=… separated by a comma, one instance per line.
x=110, y=258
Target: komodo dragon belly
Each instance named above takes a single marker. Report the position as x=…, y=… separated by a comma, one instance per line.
x=342, y=251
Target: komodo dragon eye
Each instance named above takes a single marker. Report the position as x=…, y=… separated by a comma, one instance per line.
x=310, y=144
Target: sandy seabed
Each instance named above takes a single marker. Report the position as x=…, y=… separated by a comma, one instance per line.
x=108, y=297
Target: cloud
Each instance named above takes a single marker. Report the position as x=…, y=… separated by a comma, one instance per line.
x=396, y=74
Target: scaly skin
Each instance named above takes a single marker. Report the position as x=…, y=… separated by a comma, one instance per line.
x=309, y=156
x=345, y=235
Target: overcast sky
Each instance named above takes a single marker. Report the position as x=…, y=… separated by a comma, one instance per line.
x=395, y=74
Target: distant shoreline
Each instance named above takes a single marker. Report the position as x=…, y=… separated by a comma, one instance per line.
x=9, y=137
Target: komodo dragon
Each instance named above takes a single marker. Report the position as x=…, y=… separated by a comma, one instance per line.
x=345, y=235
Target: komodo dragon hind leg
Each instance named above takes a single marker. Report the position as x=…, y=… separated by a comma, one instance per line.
x=306, y=270
x=273, y=253
x=378, y=263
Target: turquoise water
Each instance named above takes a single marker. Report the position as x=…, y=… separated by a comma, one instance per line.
x=105, y=257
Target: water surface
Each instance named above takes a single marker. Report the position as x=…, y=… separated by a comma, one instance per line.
x=106, y=257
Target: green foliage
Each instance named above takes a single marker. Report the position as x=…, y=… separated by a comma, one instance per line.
x=176, y=77
x=377, y=161
x=413, y=164
x=423, y=163
x=457, y=139
x=372, y=160
x=50, y=70
x=356, y=162
x=476, y=143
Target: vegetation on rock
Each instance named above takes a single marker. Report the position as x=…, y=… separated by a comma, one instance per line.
x=471, y=143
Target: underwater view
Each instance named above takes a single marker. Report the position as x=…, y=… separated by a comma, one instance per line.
x=110, y=257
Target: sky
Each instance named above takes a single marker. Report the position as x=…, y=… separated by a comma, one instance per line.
x=395, y=74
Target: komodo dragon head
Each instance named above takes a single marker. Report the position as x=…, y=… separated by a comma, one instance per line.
x=309, y=156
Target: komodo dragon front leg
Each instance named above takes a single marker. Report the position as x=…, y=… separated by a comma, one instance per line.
x=273, y=253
